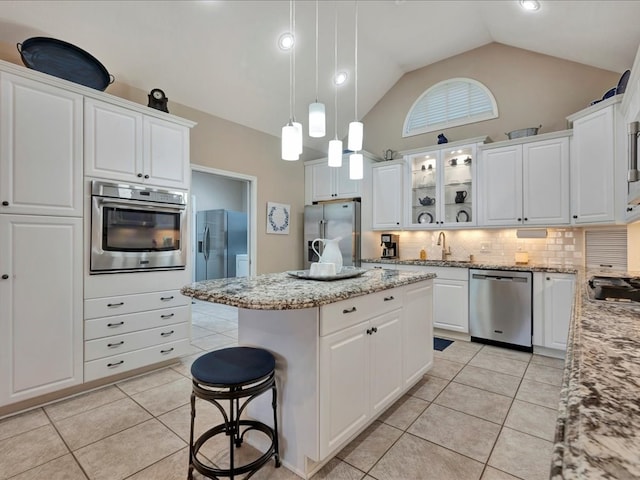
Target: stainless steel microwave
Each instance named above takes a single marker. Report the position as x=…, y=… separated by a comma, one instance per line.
x=137, y=228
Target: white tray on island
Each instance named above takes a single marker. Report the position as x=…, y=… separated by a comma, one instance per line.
x=346, y=272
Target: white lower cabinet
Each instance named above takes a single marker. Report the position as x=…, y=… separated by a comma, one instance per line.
x=552, y=309
x=132, y=331
x=372, y=349
x=40, y=305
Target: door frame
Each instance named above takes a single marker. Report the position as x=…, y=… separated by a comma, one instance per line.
x=252, y=205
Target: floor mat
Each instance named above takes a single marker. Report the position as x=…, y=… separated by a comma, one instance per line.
x=441, y=343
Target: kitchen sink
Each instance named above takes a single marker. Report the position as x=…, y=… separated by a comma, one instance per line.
x=615, y=289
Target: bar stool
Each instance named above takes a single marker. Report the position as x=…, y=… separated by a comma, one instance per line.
x=233, y=374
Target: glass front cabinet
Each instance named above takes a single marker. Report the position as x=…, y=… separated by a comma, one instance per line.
x=442, y=187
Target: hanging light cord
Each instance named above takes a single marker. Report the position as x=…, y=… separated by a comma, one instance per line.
x=293, y=54
x=356, y=63
x=316, y=51
x=335, y=71
x=291, y=63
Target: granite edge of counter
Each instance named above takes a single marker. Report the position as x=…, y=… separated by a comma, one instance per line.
x=465, y=264
x=217, y=291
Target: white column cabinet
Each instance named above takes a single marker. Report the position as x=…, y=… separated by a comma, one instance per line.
x=552, y=309
x=387, y=197
x=525, y=184
x=125, y=145
x=40, y=305
x=417, y=323
x=385, y=360
x=40, y=148
x=330, y=183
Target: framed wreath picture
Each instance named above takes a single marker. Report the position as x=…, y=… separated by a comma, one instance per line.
x=278, y=218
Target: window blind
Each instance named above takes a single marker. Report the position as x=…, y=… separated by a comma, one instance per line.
x=606, y=248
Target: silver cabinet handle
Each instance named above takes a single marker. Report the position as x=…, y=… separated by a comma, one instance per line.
x=350, y=310
x=168, y=315
x=115, y=304
x=166, y=334
x=115, y=364
x=169, y=350
x=111, y=345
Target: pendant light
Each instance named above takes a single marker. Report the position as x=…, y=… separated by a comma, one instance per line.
x=335, y=145
x=356, y=129
x=290, y=131
x=317, y=117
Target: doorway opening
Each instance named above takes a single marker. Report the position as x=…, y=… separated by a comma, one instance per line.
x=223, y=223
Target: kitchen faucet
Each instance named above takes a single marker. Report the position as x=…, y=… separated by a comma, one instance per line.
x=442, y=237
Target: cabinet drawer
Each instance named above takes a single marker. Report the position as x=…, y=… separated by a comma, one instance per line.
x=119, y=324
x=117, y=344
x=343, y=314
x=122, y=304
x=113, y=365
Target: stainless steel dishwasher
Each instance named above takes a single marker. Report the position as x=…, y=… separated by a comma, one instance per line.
x=500, y=310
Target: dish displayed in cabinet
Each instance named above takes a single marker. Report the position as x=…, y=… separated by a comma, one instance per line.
x=425, y=217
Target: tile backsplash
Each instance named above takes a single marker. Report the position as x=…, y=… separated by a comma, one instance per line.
x=561, y=247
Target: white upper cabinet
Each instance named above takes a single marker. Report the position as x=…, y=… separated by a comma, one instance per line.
x=525, y=184
x=386, y=181
x=40, y=148
x=330, y=183
x=125, y=145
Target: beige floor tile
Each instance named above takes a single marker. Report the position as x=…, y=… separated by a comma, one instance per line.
x=369, y=446
x=488, y=380
x=82, y=403
x=403, y=412
x=148, y=381
x=544, y=374
x=457, y=431
x=548, y=361
x=338, y=470
x=179, y=420
x=413, y=458
x=507, y=353
x=532, y=419
x=480, y=403
x=173, y=467
x=491, y=473
x=199, y=332
x=62, y=468
x=445, y=369
x=522, y=455
x=96, y=424
x=30, y=449
x=498, y=364
x=231, y=333
x=125, y=453
x=457, y=352
x=428, y=387
x=21, y=423
x=213, y=342
x=214, y=324
x=539, y=393
x=184, y=365
x=161, y=399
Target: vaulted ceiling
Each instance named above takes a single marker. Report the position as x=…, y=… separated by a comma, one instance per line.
x=221, y=57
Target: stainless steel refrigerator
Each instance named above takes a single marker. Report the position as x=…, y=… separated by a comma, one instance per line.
x=332, y=220
x=221, y=235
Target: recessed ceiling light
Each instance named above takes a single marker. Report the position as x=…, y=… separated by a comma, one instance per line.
x=530, y=5
x=340, y=78
x=286, y=41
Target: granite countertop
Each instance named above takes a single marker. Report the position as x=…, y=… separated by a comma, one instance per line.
x=281, y=291
x=598, y=428
x=469, y=264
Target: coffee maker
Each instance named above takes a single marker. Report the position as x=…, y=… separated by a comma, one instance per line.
x=390, y=245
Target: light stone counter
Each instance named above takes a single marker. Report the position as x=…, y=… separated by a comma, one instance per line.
x=468, y=264
x=281, y=291
x=598, y=428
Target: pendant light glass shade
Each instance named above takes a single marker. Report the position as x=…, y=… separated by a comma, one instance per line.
x=356, y=166
x=317, y=122
x=355, y=136
x=290, y=143
x=335, y=153
x=298, y=127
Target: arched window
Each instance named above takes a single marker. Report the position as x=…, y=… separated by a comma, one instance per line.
x=450, y=103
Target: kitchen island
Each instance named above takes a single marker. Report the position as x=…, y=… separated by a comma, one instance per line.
x=345, y=351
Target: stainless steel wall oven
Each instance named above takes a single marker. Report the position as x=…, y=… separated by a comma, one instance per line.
x=137, y=228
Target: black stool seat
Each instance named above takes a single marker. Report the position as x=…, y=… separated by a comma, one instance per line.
x=232, y=374
x=233, y=366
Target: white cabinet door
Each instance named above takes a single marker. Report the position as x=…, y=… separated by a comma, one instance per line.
x=553, y=295
x=545, y=180
x=344, y=186
x=500, y=178
x=113, y=142
x=40, y=148
x=344, y=385
x=166, y=153
x=385, y=359
x=592, y=168
x=387, y=196
x=451, y=305
x=40, y=305
x=322, y=182
x=417, y=324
